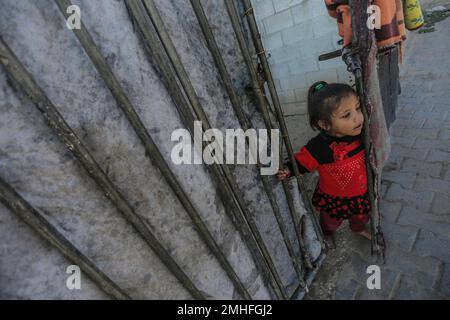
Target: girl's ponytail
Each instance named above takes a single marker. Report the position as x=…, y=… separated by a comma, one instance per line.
x=316, y=86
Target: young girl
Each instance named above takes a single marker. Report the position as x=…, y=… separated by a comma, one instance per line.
x=337, y=153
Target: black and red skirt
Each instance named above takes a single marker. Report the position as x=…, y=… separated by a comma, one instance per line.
x=340, y=207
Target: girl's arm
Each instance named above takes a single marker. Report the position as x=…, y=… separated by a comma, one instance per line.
x=305, y=161
x=307, y=157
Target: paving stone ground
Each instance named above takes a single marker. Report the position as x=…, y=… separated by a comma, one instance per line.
x=415, y=202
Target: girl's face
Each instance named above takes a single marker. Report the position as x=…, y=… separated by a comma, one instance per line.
x=347, y=119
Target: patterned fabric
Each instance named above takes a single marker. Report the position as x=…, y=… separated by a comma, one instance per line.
x=341, y=149
x=340, y=207
x=342, y=188
x=345, y=177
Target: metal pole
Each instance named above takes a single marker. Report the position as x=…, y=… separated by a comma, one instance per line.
x=152, y=150
x=279, y=115
x=226, y=184
x=359, y=41
x=298, y=293
x=11, y=199
x=17, y=72
x=265, y=113
x=244, y=122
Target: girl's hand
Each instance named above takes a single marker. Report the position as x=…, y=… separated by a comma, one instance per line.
x=283, y=174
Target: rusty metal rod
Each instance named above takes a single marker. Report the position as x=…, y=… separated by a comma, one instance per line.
x=245, y=124
x=201, y=115
x=55, y=120
x=279, y=115
x=12, y=200
x=299, y=293
x=153, y=152
x=265, y=113
x=226, y=186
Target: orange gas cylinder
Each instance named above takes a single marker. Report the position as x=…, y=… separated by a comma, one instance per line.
x=339, y=10
x=389, y=33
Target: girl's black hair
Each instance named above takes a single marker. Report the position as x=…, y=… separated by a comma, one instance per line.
x=324, y=99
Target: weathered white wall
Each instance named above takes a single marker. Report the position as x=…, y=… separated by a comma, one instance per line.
x=295, y=33
x=46, y=174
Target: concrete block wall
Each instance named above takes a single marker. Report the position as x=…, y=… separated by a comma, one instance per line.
x=295, y=33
